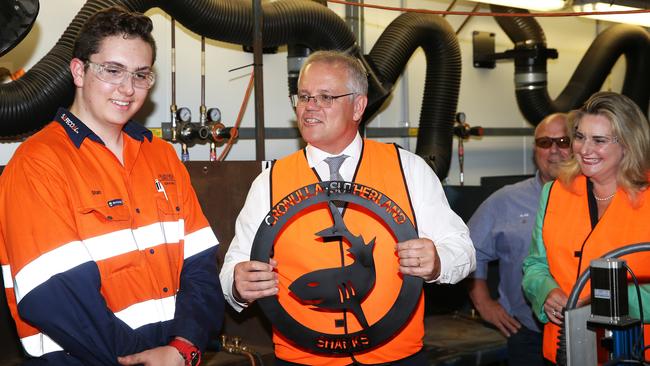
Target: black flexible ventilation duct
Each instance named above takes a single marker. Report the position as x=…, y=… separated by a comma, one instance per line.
x=442, y=83
x=530, y=72
x=28, y=103
x=16, y=20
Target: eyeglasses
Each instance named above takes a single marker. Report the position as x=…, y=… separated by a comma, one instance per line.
x=116, y=75
x=599, y=141
x=322, y=100
x=546, y=142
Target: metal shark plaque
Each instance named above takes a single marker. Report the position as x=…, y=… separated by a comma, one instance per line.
x=343, y=288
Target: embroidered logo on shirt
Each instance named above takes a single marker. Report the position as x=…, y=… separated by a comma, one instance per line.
x=115, y=202
x=73, y=126
x=167, y=178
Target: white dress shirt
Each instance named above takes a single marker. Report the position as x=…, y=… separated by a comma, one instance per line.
x=435, y=219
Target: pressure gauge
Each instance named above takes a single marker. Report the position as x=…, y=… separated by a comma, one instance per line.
x=214, y=115
x=184, y=114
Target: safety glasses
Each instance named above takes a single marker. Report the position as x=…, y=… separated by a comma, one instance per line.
x=563, y=142
x=114, y=74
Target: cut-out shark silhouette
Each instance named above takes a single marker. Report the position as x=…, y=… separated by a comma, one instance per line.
x=340, y=288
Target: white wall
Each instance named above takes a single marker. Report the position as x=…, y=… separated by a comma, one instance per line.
x=486, y=95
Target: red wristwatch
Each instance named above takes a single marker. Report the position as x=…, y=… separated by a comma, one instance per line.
x=190, y=353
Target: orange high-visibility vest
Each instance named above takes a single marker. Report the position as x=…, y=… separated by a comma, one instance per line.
x=298, y=251
x=566, y=226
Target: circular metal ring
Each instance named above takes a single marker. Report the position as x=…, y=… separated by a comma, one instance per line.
x=402, y=229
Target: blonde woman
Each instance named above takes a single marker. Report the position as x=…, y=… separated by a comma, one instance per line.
x=599, y=203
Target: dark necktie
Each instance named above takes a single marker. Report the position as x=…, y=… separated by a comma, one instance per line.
x=335, y=163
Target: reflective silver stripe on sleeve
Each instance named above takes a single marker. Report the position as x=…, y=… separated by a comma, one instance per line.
x=39, y=344
x=148, y=312
x=49, y=264
x=199, y=241
x=6, y=276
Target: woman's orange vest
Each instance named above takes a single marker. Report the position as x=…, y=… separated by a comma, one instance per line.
x=298, y=251
x=566, y=226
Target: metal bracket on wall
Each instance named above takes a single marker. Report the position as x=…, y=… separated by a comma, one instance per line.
x=485, y=57
x=483, y=47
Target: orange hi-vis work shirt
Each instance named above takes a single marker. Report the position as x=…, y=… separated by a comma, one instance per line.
x=99, y=258
x=298, y=251
x=567, y=225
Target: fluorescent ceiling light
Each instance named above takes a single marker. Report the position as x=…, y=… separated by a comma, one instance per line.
x=539, y=5
x=639, y=19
